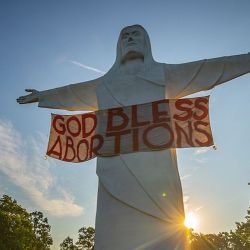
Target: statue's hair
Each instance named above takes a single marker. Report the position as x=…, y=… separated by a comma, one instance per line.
x=134, y=25
x=148, y=58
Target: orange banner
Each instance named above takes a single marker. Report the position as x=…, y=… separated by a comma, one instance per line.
x=168, y=123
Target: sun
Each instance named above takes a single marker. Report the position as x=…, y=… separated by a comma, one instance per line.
x=191, y=221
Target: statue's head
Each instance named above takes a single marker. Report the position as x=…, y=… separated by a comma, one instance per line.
x=133, y=43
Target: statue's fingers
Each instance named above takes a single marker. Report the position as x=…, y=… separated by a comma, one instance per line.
x=23, y=100
x=30, y=90
x=21, y=97
x=20, y=100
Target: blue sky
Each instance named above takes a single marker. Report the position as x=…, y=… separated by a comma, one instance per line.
x=45, y=44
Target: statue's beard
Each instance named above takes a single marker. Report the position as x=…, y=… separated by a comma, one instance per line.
x=132, y=55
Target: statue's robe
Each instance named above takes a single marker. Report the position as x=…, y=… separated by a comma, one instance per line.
x=132, y=212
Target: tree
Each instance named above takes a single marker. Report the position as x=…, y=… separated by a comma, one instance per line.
x=41, y=229
x=20, y=230
x=239, y=239
x=209, y=241
x=15, y=226
x=68, y=244
x=86, y=238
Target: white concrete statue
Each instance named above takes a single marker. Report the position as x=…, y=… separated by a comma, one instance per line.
x=140, y=202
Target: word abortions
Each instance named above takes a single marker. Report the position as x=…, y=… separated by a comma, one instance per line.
x=168, y=123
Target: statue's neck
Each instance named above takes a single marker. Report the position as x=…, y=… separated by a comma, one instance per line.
x=133, y=66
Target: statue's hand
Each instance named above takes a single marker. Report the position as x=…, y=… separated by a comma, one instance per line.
x=32, y=97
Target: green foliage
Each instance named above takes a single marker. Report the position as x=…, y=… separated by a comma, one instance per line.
x=239, y=239
x=41, y=229
x=20, y=230
x=68, y=244
x=86, y=238
x=209, y=241
x=15, y=226
x=85, y=241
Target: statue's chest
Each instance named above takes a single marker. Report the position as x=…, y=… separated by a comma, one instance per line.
x=128, y=90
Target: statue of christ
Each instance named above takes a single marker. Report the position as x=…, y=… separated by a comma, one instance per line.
x=140, y=201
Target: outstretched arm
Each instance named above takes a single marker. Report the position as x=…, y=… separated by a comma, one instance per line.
x=79, y=96
x=188, y=78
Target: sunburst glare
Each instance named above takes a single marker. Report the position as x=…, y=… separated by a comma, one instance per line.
x=191, y=221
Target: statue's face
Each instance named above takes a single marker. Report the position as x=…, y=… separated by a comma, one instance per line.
x=132, y=42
